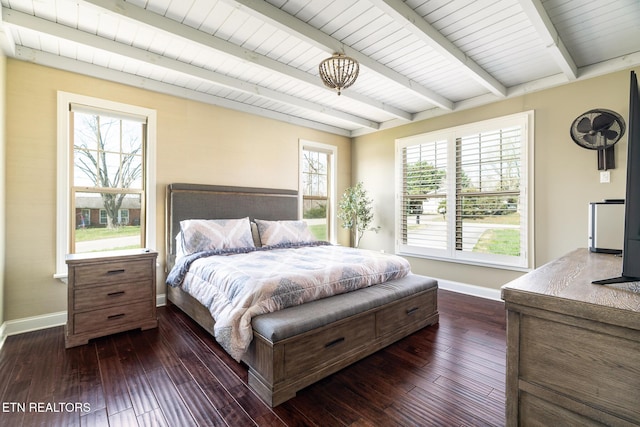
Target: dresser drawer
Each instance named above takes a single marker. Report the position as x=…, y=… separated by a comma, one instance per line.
x=121, y=317
x=89, y=298
x=111, y=272
x=327, y=345
x=581, y=364
x=405, y=312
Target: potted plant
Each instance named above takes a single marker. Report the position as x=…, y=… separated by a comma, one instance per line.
x=356, y=212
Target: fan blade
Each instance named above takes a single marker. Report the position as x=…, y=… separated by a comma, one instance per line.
x=609, y=134
x=584, y=125
x=589, y=139
x=603, y=121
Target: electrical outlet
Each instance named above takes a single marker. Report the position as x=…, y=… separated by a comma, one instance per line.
x=605, y=177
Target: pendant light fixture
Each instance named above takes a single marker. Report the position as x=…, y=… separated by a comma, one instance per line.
x=339, y=72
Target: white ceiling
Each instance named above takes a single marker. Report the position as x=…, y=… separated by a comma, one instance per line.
x=418, y=58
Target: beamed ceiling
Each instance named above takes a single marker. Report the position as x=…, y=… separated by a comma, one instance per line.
x=418, y=58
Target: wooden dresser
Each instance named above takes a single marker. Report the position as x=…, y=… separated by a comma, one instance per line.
x=110, y=292
x=573, y=348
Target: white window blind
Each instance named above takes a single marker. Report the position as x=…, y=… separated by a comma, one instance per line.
x=463, y=193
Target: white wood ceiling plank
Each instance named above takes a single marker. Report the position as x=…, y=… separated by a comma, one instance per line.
x=27, y=38
x=219, y=14
x=49, y=44
x=127, y=32
x=357, y=23
x=342, y=19
x=198, y=13
x=107, y=25
x=263, y=34
x=231, y=24
x=267, y=45
x=311, y=10
x=332, y=12
x=178, y=9
x=67, y=13
x=144, y=38
x=246, y=31
x=26, y=6
x=44, y=9
x=484, y=22
x=116, y=62
x=68, y=49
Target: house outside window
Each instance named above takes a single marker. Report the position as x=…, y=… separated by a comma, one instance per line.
x=464, y=193
x=106, y=159
x=317, y=183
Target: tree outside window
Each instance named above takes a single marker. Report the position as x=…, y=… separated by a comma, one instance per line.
x=108, y=185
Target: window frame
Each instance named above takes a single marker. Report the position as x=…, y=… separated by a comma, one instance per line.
x=522, y=263
x=332, y=151
x=64, y=163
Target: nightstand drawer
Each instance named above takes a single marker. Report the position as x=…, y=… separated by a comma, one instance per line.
x=89, y=298
x=111, y=272
x=113, y=317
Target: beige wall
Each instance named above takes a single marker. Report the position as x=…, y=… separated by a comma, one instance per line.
x=566, y=178
x=3, y=62
x=196, y=143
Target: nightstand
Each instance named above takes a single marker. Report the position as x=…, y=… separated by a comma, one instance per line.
x=110, y=292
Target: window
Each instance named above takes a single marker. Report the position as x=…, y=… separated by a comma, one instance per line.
x=317, y=181
x=463, y=193
x=106, y=160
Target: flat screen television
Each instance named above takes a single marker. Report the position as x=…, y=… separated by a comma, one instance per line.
x=631, y=244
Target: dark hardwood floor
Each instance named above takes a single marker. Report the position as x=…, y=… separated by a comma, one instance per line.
x=450, y=374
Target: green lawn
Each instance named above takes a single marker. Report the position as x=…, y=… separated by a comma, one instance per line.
x=501, y=241
x=319, y=231
x=86, y=234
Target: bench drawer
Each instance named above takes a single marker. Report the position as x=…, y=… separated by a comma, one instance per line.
x=322, y=347
x=405, y=312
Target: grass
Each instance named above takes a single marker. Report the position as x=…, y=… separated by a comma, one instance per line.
x=319, y=231
x=499, y=241
x=87, y=234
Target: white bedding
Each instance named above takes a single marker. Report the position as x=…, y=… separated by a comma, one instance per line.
x=236, y=287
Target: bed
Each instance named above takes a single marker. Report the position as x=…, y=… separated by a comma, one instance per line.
x=293, y=347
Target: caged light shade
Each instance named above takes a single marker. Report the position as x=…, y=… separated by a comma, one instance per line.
x=339, y=72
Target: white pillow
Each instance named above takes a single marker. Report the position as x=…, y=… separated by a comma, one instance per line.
x=283, y=232
x=210, y=234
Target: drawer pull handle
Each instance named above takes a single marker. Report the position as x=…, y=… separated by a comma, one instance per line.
x=115, y=294
x=411, y=311
x=334, y=342
x=119, y=271
x=116, y=316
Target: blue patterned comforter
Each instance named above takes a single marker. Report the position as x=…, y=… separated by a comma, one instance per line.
x=238, y=286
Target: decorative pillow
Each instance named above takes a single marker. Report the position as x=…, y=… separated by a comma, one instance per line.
x=209, y=234
x=283, y=232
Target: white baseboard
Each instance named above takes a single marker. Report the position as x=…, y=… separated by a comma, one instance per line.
x=35, y=323
x=463, y=288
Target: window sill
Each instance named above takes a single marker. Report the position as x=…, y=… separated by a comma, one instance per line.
x=62, y=277
x=466, y=262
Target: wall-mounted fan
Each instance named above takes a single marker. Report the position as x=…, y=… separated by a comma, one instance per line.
x=599, y=130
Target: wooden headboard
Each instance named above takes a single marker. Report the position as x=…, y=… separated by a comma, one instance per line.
x=198, y=201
